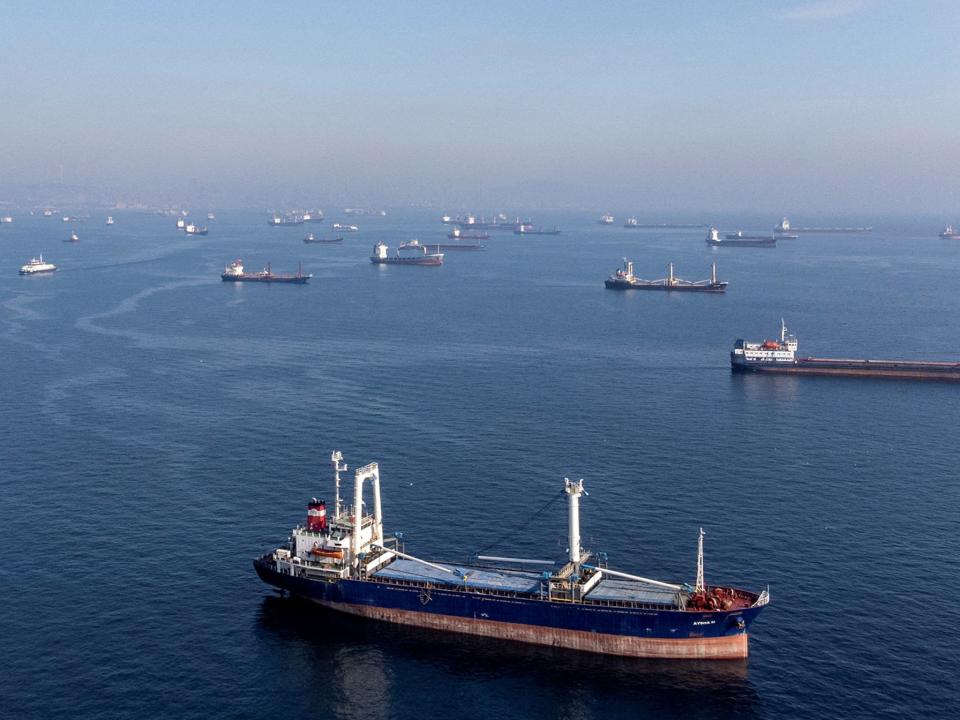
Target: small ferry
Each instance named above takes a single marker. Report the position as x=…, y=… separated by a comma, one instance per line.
x=780, y=357
x=234, y=273
x=192, y=229
x=713, y=238
x=37, y=266
x=950, y=233
x=624, y=279
x=381, y=255
x=73, y=237
x=606, y=219
x=345, y=228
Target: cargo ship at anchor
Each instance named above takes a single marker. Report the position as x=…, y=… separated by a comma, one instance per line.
x=780, y=357
x=458, y=234
x=347, y=564
x=234, y=273
x=784, y=227
x=714, y=239
x=381, y=255
x=624, y=279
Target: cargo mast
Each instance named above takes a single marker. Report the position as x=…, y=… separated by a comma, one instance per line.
x=700, y=587
x=335, y=457
x=574, y=490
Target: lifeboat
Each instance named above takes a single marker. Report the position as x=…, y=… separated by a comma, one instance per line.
x=771, y=345
x=335, y=553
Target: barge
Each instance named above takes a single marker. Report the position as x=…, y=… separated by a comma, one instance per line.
x=347, y=564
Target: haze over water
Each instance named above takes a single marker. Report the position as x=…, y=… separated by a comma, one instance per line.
x=161, y=428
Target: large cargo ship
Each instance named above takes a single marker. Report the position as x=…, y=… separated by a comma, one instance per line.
x=234, y=273
x=525, y=229
x=348, y=565
x=458, y=234
x=784, y=227
x=713, y=238
x=381, y=255
x=780, y=357
x=624, y=279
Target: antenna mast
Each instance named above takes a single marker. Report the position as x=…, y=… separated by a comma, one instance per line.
x=335, y=457
x=700, y=587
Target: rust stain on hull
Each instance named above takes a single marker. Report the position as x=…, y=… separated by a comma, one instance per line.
x=730, y=647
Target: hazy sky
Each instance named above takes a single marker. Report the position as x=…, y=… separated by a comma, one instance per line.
x=846, y=105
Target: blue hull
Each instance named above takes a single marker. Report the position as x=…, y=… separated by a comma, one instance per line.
x=599, y=628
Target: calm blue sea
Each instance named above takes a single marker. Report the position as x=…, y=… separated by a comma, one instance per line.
x=160, y=428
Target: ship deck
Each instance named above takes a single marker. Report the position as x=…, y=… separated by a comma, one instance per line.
x=608, y=591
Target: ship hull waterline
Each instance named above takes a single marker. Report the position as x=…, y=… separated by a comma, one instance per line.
x=618, y=285
x=711, y=635
x=854, y=369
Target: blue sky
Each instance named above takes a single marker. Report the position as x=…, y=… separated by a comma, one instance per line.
x=847, y=105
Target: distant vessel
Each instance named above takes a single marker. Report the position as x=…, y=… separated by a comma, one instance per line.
x=211, y=216
x=740, y=235
x=37, y=266
x=345, y=562
x=950, y=233
x=282, y=221
x=345, y=228
x=6, y=219
x=192, y=229
x=313, y=216
x=631, y=223
x=780, y=357
x=463, y=244
x=713, y=238
x=381, y=255
x=181, y=223
x=624, y=279
x=458, y=234
x=234, y=273
x=109, y=219
x=524, y=229
x=785, y=227
x=48, y=213
x=606, y=219
x=330, y=241
x=73, y=237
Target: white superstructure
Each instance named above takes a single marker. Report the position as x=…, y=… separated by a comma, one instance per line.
x=783, y=350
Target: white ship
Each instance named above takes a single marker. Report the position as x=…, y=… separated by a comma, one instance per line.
x=631, y=222
x=345, y=228
x=109, y=219
x=606, y=219
x=36, y=266
x=6, y=219
x=181, y=223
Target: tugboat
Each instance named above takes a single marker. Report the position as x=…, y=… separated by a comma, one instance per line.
x=234, y=273
x=310, y=238
x=950, y=233
x=73, y=237
x=37, y=266
x=624, y=279
x=713, y=238
x=192, y=229
x=347, y=564
x=780, y=357
x=381, y=255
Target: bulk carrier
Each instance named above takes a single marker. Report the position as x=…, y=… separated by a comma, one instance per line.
x=780, y=356
x=624, y=279
x=347, y=564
